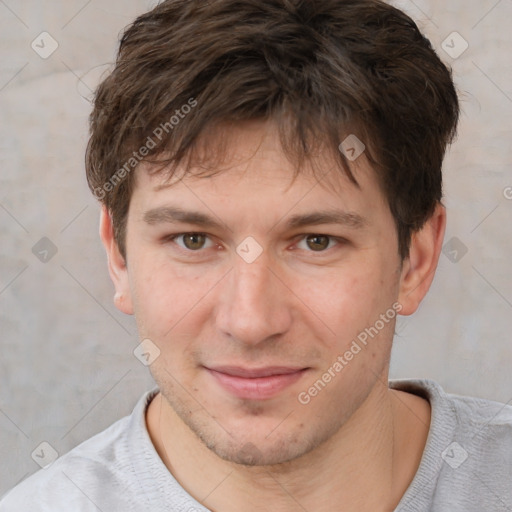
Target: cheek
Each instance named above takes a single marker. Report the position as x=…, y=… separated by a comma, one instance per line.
x=348, y=300
x=167, y=298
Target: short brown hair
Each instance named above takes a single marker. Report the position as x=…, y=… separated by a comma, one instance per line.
x=323, y=69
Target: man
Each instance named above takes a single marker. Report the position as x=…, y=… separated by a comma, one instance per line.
x=270, y=174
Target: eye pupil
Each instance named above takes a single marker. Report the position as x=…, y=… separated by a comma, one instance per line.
x=192, y=237
x=318, y=239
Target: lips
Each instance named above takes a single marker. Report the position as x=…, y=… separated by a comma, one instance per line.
x=255, y=373
x=255, y=383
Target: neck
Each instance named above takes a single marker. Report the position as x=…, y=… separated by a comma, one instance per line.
x=367, y=465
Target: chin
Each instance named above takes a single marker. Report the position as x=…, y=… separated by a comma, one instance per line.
x=248, y=454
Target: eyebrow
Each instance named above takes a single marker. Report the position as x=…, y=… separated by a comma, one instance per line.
x=172, y=215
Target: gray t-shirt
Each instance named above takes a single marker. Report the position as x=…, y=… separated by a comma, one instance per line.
x=466, y=465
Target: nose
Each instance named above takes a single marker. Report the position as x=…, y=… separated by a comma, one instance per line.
x=255, y=303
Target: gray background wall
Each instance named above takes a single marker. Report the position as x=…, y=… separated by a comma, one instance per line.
x=66, y=367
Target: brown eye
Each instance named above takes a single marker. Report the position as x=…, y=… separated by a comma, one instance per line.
x=189, y=244
x=194, y=241
x=318, y=242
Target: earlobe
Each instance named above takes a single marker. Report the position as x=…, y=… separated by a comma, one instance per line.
x=419, y=268
x=116, y=264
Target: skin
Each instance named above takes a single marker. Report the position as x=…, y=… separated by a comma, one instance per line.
x=301, y=303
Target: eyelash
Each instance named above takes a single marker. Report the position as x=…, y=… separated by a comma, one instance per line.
x=189, y=252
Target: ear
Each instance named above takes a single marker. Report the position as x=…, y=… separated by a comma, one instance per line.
x=116, y=264
x=419, y=268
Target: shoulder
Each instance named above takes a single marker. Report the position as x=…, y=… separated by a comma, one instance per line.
x=465, y=420
x=475, y=419
x=466, y=414
x=77, y=480
x=477, y=463
x=467, y=460
x=484, y=430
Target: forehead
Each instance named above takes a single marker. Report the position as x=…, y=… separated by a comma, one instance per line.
x=251, y=151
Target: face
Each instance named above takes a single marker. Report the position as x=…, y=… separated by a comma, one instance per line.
x=255, y=311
